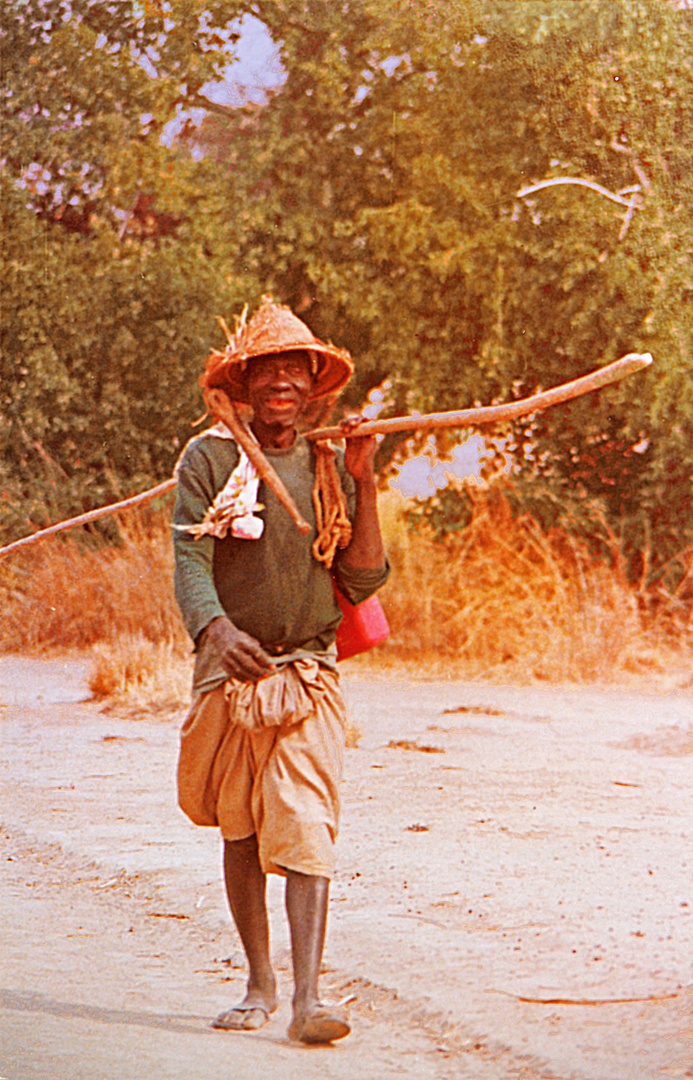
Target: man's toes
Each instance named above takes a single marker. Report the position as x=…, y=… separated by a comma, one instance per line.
x=255, y=1018
x=322, y=1024
x=242, y=1019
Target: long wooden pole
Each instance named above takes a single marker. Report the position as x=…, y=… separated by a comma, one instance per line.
x=489, y=414
x=492, y=414
x=92, y=515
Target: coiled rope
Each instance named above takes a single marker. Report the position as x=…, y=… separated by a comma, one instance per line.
x=331, y=511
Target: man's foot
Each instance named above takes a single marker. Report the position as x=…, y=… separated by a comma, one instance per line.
x=251, y=1014
x=321, y=1024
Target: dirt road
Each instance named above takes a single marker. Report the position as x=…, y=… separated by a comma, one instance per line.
x=514, y=898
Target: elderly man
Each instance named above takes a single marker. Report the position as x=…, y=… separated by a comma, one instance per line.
x=262, y=746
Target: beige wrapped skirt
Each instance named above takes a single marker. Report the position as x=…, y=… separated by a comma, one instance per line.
x=266, y=758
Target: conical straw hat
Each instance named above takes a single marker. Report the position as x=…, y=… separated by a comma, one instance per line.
x=274, y=329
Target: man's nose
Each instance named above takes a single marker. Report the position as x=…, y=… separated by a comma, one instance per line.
x=280, y=373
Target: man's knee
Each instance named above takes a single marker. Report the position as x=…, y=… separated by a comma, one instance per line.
x=241, y=850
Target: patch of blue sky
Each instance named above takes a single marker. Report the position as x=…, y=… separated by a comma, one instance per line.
x=425, y=474
x=254, y=69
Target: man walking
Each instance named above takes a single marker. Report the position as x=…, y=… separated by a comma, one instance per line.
x=262, y=746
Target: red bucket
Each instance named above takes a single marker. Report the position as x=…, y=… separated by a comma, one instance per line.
x=363, y=626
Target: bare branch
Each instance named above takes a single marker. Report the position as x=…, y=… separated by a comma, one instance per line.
x=637, y=167
x=628, y=217
x=199, y=101
x=575, y=180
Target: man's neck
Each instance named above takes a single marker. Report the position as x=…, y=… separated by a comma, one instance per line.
x=274, y=436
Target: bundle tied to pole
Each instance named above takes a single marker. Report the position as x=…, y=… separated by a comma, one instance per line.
x=219, y=404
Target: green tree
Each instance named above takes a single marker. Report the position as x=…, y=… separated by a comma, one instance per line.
x=104, y=324
x=378, y=192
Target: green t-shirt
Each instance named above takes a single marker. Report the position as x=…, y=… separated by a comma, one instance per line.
x=272, y=588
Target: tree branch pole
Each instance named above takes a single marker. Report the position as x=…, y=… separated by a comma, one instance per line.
x=92, y=515
x=492, y=414
x=488, y=414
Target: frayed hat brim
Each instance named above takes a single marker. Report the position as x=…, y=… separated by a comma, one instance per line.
x=274, y=329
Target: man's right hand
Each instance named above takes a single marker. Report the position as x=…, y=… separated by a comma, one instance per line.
x=242, y=656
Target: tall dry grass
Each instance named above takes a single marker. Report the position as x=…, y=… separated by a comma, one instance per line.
x=114, y=602
x=500, y=599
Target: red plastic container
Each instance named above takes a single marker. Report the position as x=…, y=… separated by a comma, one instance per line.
x=363, y=626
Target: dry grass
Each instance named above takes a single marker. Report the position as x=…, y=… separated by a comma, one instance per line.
x=150, y=675
x=500, y=600
x=60, y=595
x=116, y=603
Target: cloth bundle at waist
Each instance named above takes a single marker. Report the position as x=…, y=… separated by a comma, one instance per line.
x=287, y=696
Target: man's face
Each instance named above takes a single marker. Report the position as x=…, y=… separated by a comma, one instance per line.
x=279, y=388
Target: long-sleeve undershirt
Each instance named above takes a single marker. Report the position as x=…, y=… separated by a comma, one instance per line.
x=272, y=588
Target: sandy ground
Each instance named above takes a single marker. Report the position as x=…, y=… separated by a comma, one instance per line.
x=514, y=895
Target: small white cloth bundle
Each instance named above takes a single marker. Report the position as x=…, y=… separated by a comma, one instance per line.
x=233, y=509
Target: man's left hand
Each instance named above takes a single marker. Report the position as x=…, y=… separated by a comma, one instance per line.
x=360, y=451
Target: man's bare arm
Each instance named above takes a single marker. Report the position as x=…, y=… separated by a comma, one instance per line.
x=365, y=550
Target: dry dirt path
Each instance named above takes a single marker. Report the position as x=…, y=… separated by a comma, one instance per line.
x=514, y=898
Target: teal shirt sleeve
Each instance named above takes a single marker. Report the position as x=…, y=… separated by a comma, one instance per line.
x=358, y=585
x=194, y=586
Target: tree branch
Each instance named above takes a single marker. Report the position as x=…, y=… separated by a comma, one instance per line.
x=575, y=180
x=199, y=101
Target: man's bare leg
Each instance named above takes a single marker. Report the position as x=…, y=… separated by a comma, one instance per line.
x=245, y=888
x=306, y=907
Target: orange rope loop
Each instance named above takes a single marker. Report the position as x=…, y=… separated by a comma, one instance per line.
x=331, y=512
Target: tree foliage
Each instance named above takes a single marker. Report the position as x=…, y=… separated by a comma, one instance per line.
x=377, y=192
x=104, y=318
